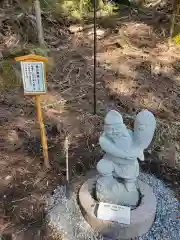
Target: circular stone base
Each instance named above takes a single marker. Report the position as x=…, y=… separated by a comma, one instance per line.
x=142, y=217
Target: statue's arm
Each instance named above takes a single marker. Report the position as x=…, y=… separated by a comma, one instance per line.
x=109, y=147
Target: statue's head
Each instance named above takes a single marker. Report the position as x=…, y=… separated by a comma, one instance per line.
x=113, y=117
x=144, y=128
x=114, y=128
x=113, y=123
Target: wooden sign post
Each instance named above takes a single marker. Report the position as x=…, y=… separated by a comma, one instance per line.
x=33, y=70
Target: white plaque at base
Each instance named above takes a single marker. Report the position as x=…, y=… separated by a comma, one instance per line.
x=112, y=212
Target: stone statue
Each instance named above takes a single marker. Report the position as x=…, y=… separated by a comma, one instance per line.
x=119, y=167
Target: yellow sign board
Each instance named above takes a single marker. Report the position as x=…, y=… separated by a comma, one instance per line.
x=33, y=70
x=33, y=77
x=34, y=81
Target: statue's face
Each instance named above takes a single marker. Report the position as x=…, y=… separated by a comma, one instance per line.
x=113, y=130
x=116, y=131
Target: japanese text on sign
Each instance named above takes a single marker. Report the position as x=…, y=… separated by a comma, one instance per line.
x=33, y=77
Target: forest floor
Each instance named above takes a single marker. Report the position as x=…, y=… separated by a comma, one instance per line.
x=137, y=69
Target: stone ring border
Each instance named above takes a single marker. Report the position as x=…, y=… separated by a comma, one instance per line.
x=142, y=217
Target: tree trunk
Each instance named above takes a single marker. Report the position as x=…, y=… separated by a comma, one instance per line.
x=37, y=8
x=176, y=12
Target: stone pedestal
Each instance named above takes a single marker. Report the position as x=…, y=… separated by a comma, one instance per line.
x=142, y=217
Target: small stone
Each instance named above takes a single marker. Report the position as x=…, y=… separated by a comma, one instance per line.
x=75, y=28
x=12, y=137
x=13, y=141
x=177, y=65
x=8, y=177
x=100, y=33
x=156, y=69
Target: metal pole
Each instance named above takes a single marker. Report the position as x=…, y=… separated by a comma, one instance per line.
x=67, y=183
x=95, y=49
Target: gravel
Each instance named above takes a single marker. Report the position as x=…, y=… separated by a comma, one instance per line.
x=65, y=218
x=167, y=224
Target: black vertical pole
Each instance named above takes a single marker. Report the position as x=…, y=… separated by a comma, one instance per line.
x=95, y=48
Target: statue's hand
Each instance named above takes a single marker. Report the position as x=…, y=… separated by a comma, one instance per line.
x=110, y=148
x=131, y=158
x=131, y=154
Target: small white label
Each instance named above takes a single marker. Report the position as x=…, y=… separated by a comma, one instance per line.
x=33, y=77
x=112, y=212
